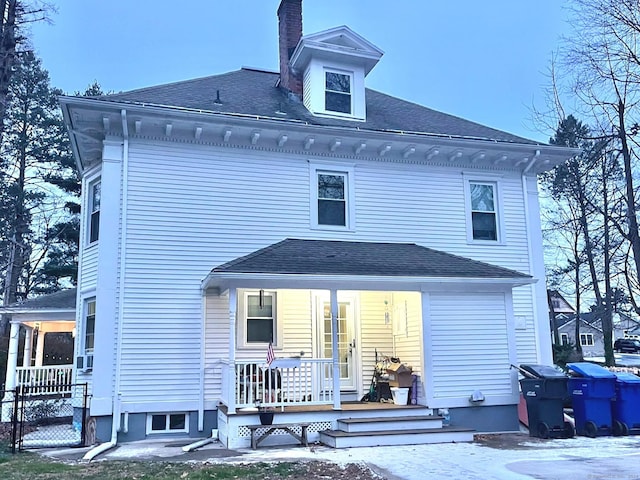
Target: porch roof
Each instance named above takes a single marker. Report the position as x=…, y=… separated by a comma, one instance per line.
x=53, y=306
x=362, y=261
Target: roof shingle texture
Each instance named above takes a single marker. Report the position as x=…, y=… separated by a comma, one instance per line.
x=254, y=92
x=326, y=257
x=64, y=299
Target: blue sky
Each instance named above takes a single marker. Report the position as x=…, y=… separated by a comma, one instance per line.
x=481, y=60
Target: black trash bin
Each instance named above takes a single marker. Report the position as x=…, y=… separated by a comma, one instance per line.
x=545, y=391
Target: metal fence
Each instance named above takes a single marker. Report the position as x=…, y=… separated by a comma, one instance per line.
x=8, y=425
x=33, y=419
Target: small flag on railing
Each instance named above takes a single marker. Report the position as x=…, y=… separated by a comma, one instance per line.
x=270, y=355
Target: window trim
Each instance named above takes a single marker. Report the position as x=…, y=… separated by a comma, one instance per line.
x=586, y=336
x=495, y=182
x=167, y=415
x=90, y=211
x=85, y=321
x=348, y=171
x=346, y=73
x=564, y=339
x=242, y=308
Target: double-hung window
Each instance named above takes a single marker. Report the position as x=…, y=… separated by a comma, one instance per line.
x=94, y=210
x=89, y=325
x=483, y=211
x=337, y=96
x=332, y=197
x=260, y=310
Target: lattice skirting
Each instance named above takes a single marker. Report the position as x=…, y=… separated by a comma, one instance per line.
x=314, y=427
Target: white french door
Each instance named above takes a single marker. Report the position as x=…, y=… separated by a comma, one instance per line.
x=348, y=348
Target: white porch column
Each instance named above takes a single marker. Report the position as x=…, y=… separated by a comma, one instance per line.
x=12, y=358
x=39, y=347
x=10, y=378
x=28, y=344
x=231, y=378
x=334, y=350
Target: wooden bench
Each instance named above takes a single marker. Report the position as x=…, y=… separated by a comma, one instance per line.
x=287, y=427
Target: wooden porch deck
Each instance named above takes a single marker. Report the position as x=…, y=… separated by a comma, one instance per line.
x=346, y=407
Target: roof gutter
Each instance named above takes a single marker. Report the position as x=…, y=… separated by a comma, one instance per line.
x=222, y=277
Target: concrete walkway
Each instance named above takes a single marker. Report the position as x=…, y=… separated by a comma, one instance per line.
x=500, y=457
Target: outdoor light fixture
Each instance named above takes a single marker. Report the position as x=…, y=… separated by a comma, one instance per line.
x=476, y=397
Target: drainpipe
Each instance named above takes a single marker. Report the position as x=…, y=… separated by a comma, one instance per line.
x=115, y=418
x=527, y=220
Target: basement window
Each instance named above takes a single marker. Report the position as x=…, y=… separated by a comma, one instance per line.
x=168, y=423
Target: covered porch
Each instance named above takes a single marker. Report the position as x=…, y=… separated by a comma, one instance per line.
x=41, y=344
x=333, y=310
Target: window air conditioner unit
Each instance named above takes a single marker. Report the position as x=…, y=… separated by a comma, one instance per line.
x=84, y=363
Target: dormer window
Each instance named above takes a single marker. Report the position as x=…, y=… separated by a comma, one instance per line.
x=338, y=92
x=332, y=66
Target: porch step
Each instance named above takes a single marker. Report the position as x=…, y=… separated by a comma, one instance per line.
x=389, y=424
x=341, y=439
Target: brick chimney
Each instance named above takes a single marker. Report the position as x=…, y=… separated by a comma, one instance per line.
x=290, y=32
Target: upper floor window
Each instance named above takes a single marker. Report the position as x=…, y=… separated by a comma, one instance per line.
x=94, y=210
x=564, y=338
x=483, y=209
x=332, y=197
x=332, y=200
x=337, y=97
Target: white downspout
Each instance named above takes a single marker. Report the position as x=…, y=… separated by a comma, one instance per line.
x=527, y=221
x=231, y=377
x=203, y=316
x=115, y=419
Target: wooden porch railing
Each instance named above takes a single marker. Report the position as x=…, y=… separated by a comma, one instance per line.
x=49, y=380
x=287, y=382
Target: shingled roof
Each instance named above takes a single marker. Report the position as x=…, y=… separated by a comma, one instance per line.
x=326, y=257
x=62, y=300
x=254, y=92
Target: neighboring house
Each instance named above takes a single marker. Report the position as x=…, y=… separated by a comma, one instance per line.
x=40, y=319
x=559, y=304
x=303, y=209
x=591, y=334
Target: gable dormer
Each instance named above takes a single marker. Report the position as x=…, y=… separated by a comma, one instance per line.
x=333, y=65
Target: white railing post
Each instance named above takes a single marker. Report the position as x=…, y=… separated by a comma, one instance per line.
x=334, y=349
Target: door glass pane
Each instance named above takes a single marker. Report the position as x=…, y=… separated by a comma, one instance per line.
x=344, y=355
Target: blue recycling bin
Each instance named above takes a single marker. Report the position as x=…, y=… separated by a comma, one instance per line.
x=592, y=394
x=626, y=407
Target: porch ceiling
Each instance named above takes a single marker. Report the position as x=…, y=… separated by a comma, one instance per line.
x=358, y=264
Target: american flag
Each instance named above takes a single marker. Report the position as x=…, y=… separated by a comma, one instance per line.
x=270, y=355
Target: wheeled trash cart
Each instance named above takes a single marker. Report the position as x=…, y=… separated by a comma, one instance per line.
x=626, y=406
x=592, y=393
x=545, y=390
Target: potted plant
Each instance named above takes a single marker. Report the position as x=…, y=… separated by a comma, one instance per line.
x=265, y=413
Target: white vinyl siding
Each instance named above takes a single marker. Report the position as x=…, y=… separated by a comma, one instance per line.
x=376, y=334
x=470, y=345
x=193, y=207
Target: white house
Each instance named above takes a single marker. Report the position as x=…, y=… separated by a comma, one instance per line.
x=303, y=209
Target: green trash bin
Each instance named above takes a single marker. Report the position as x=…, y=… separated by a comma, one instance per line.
x=545, y=391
